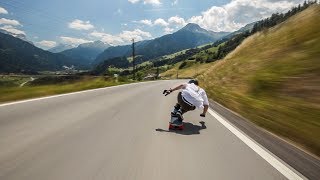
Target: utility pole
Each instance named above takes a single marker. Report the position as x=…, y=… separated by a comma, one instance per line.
x=133, y=61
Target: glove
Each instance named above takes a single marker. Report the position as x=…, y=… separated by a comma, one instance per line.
x=167, y=92
x=203, y=115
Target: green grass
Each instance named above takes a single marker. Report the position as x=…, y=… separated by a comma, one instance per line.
x=273, y=79
x=192, y=70
x=12, y=81
x=18, y=93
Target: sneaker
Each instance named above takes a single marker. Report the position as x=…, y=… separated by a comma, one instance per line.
x=177, y=122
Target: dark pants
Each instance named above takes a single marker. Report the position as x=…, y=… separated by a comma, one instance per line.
x=184, y=105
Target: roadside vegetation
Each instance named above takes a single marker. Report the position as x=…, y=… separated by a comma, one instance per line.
x=52, y=85
x=273, y=79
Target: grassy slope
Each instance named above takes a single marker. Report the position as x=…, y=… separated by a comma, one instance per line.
x=193, y=69
x=273, y=79
x=26, y=92
x=188, y=72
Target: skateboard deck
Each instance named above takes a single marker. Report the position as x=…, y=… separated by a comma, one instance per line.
x=175, y=127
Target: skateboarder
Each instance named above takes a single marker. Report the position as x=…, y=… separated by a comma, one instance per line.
x=190, y=98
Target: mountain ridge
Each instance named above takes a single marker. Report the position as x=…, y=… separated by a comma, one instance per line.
x=18, y=56
x=86, y=52
x=190, y=36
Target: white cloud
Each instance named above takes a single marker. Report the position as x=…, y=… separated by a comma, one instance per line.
x=46, y=44
x=168, y=30
x=80, y=25
x=152, y=2
x=238, y=13
x=175, y=2
x=122, y=38
x=137, y=34
x=177, y=21
x=73, y=41
x=3, y=11
x=119, y=12
x=133, y=1
x=145, y=22
x=107, y=38
x=9, y=22
x=161, y=22
x=13, y=30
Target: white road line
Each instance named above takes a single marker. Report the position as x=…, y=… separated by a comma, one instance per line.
x=67, y=94
x=265, y=154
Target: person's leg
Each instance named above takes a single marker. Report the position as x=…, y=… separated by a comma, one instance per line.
x=184, y=107
x=176, y=108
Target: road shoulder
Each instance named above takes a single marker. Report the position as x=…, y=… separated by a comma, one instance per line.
x=304, y=163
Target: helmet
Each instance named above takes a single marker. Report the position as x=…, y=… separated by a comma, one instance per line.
x=194, y=82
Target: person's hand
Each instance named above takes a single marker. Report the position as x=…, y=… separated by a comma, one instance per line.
x=203, y=115
x=167, y=92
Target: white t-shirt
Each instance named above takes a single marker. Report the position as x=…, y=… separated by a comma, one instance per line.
x=195, y=95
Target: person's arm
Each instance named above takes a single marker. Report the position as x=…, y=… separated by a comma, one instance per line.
x=205, y=104
x=205, y=109
x=167, y=92
x=178, y=87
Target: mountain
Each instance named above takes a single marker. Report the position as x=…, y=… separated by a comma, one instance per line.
x=60, y=48
x=18, y=56
x=20, y=36
x=103, y=66
x=247, y=27
x=87, y=52
x=118, y=51
x=190, y=36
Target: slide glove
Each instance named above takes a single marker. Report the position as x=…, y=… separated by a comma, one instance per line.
x=167, y=92
x=203, y=115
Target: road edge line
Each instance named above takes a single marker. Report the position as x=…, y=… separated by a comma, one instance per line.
x=282, y=167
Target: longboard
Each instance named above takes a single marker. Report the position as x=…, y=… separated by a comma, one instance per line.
x=175, y=127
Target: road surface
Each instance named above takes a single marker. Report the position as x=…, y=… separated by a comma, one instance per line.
x=120, y=133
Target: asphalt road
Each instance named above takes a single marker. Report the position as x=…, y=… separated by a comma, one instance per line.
x=120, y=133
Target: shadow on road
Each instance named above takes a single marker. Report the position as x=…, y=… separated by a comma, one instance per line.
x=189, y=129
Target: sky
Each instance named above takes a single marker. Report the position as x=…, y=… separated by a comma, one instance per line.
x=50, y=23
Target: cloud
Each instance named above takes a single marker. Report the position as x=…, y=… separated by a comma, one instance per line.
x=145, y=22
x=107, y=38
x=73, y=41
x=238, y=13
x=168, y=30
x=13, y=30
x=152, y=2
x=133, y=1
x=177, y=21
x=46, y=44
x=173, y=22
x=119, y=12
x=175, y=2
x=80, y=25
x=9, y=22
x=161, y=22
x=123, y=37
x=137, y=34
x=3, y=10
